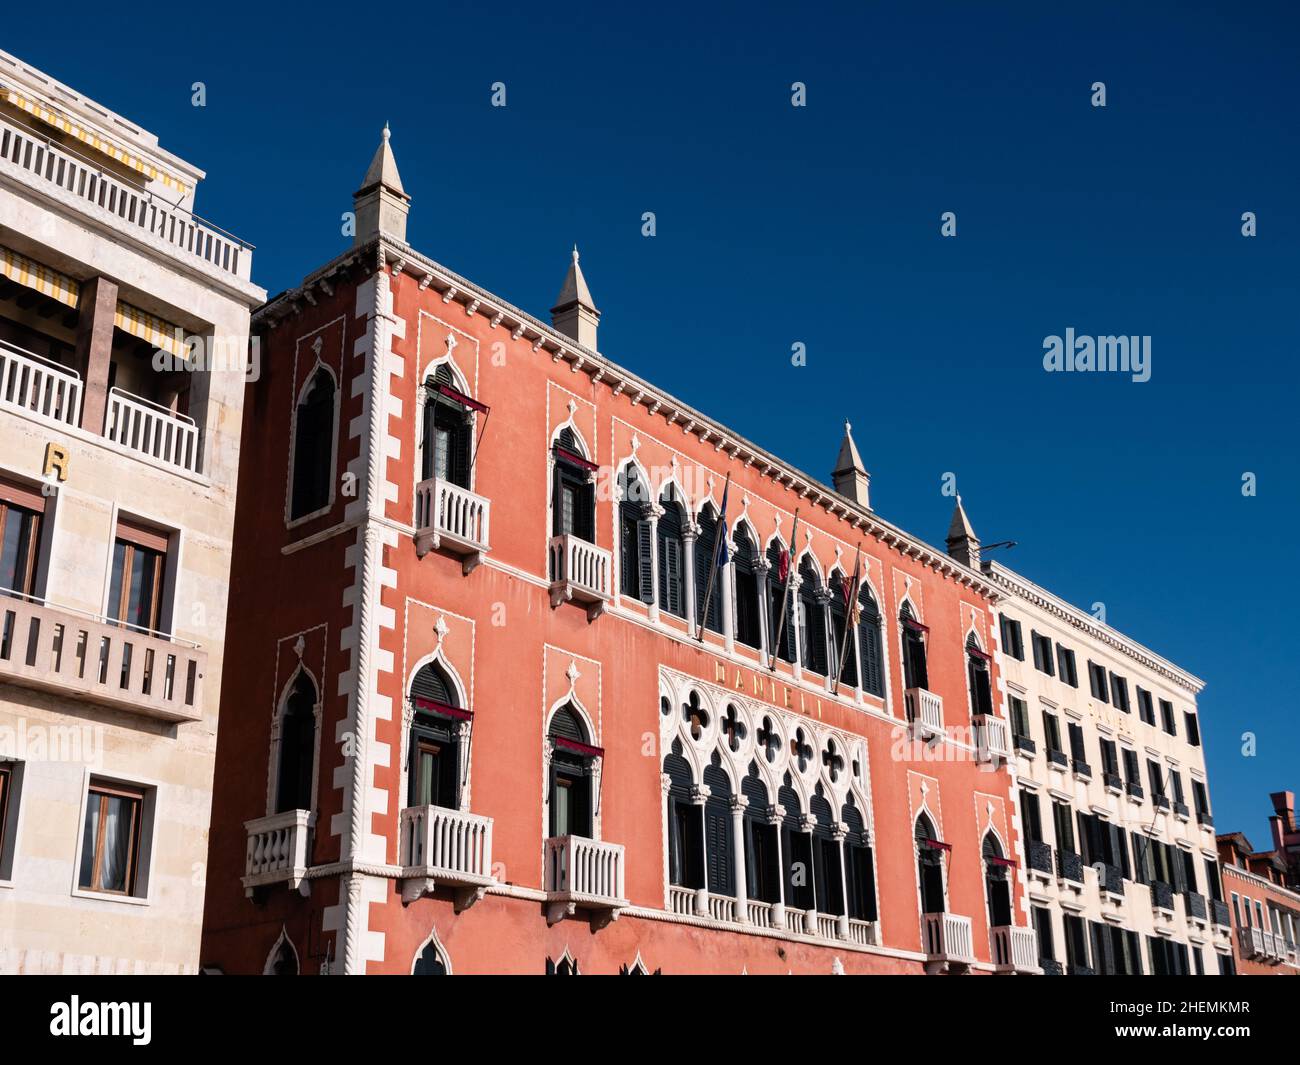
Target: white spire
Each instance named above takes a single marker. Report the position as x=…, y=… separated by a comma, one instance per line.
x=575, y=314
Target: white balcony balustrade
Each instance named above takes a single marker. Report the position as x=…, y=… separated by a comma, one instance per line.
x=148, y=429
x=40, y=163
x=580, y=571
x=924, y=711
x=947, y=939
x=37, y=386
x=452, y=848
x=992, y=739
x=584, y=874
x=453, y=518
x=1015, y=949
x=279, y=849
x=68, y=653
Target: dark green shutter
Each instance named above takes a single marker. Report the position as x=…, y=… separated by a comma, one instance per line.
x=645, y=562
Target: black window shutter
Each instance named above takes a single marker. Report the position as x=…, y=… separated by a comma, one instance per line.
x=869, y=646
x=644, y=561
x=461, y=445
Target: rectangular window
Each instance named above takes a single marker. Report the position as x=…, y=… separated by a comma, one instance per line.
x=1191, y=728
x=1146, y=710
x=1019, y=714
x=1052, y=732
x=1109, y=758
x=1032, y=817
x=1011, y=640
x=1063, y=823
x=1043, y=929
x=7, y=800
x=111, y=839
x=21, y=513
x=1119, y=693
x=1065, y=666
x=1201, y=798
x=1132, y=772
x=1155, y=777
x=1076, y=944
x=1078, y=750
x=135, y=598
x=1097, y=681
x=1042, y=653
x=1167, y=717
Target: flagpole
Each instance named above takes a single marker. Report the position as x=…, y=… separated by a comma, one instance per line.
x=848, y=616
x=720, y=530
x=785, y=593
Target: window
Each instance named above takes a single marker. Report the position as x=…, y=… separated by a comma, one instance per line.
x=706, y=546
x=748, y=621
x=430, y=962
x=1042, y=653
x=1145, y=710
x=719, y=843
x=447, y=451
x=1191, y=728
x=997, y=885
x=828, y=880
x=1167, y=717
x=1019, y=714
x=135, y=596
x=842, y=650
x=778, y=628
x=313, y=447
x=762, y=862
x=1201, y=800
x=797, y=850
x=1063, y=824
x=859, y=866
x=1076, y=945
x=1033, y=821
x=433, y=761
x=573, y=496
x=812, y=619
x=1156, y=779
x=930, y=854
x=636, y=576
x=10, y=773
x=870, y=644
x=1119, y=693
x=572, y=758
x=1110, y=762
x=21, y=513
x=1097, y=681
x=672, y=554
x=1011, y=639
x=1065, y=666
x=1132, y=772
x=1078, y=750
x=110, y=842
x=915, y=671
x=977, y=678
x=297, y=753
x=685, y=824
x=1043, y=930
x=1052, y=733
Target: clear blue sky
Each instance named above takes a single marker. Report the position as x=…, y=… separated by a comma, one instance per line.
x=821, y=225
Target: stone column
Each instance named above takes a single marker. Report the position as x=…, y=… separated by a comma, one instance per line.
x=690, y=538
x=700, y=796
x=738, y=804
x=726, y=587
x=96, y=307
x=795, y=605
x=654, y=513
x=775, y=814
x=761, y=570
x=839, y=832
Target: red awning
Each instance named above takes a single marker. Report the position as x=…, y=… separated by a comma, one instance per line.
x=462, y=399
x=576, y=460
x=937, y=845
x=915, y=626
x=1010, y=863
x=445, y=709
x=579, y=748
x=979, y=654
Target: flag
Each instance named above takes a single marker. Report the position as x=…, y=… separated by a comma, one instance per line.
x=724, y=556
x=852, y=603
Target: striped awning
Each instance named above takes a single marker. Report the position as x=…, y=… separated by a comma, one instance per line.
x=73, y=128
x=30, y=274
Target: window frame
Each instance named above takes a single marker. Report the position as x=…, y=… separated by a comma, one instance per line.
x=139, y=847
x=290, y=518
x=29, y=507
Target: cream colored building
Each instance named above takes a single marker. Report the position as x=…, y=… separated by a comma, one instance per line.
x=123, y=343
x=1120, y=861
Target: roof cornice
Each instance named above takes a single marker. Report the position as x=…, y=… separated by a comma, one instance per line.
x=400, y=257
x=1022, y=588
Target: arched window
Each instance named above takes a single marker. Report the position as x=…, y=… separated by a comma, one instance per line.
x=706, y=546
x=915, y=672
x=685, y=823
x=431, y=962
x=869, y=643
x=997, y=884
x=672, y=554
x=748, y=630
x=297, y=755
x=448, y=432
x=796, y=848
x=283, y=960
x=566, y=966
x=434, y=755
x=573, y=496
x=777, y=575
x=636, y=578
x=762, y=862
x=812, y=619
x=929, y=858
x=826, y=857
x=839, y=589
x=859, y=867
x=720, y=843
x=977, y=674
x=313, y=446
x=572, y=757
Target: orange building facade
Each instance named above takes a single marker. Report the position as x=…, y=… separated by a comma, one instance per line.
x=1264, y=895
x=476, y=726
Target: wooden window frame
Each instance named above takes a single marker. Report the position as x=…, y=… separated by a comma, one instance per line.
x=6, y=786
x=103, y=792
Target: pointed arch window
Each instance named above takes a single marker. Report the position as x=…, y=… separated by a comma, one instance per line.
x=915, y=671
x=706, y=546
x=283, y=960
x=870, y=644
x=796, y=849
x=859, y=865
x=839, y=610
x=572, y=762
x=748, y=600
x=672, y=554
x=812, y=619
x=431, y=962
x=448, y=431
x=977, y=676
x=827, y=872
x=720, y=845
x=573, y=496
x=313, y=446
x=636, y=562
x=297, y=754
x=777, y=575
x=997, y=882
x=929, y=858
x=762, y=860
x=434, y=758
x=685, y=823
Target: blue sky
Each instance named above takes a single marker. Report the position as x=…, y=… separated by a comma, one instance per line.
x=820, y=225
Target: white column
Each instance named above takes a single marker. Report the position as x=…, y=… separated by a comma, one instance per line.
x=792, y=622
x=655, y=513
x=776, y=812
x=727, y=588
x=761, y=569
x=738, y=804
x=700, y=796
x=839, y=832
x=810, y=917
x=690, y=535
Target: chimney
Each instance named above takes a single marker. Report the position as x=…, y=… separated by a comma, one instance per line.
x=381, y=204
x=1283, y=820
x=574, y=313
x=963, y=544
x=850, y=477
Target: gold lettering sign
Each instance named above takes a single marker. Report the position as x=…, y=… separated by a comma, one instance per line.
x=769, y=688
x=56, y=461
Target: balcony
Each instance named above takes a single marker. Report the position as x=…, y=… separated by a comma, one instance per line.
x=1221, y=914
x=947, y=941
x=1162, y=896
x=1081, y=970
x=1051, y=967
x=579, y=573
x=1204, y=819
x=148, y=429
x=754, y=913
x=1160, y=800
x=40, y=164
x=68, y=653
x=1251, y=942
x=1134, y=791
x=448, y=516
x=1112, y=882
x=1026, y=746
x=1015, y=950
x=583, y=874
x=1069, y=866
x=35, y=385
x=991, y=739
x=1112, y=782
x=442, y=847
x=1081, y=768
x=925, y=712
x=1181, y=811
x=1040, y=857
x=279, y=850
x=1195, y=904
x=1057, y=758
